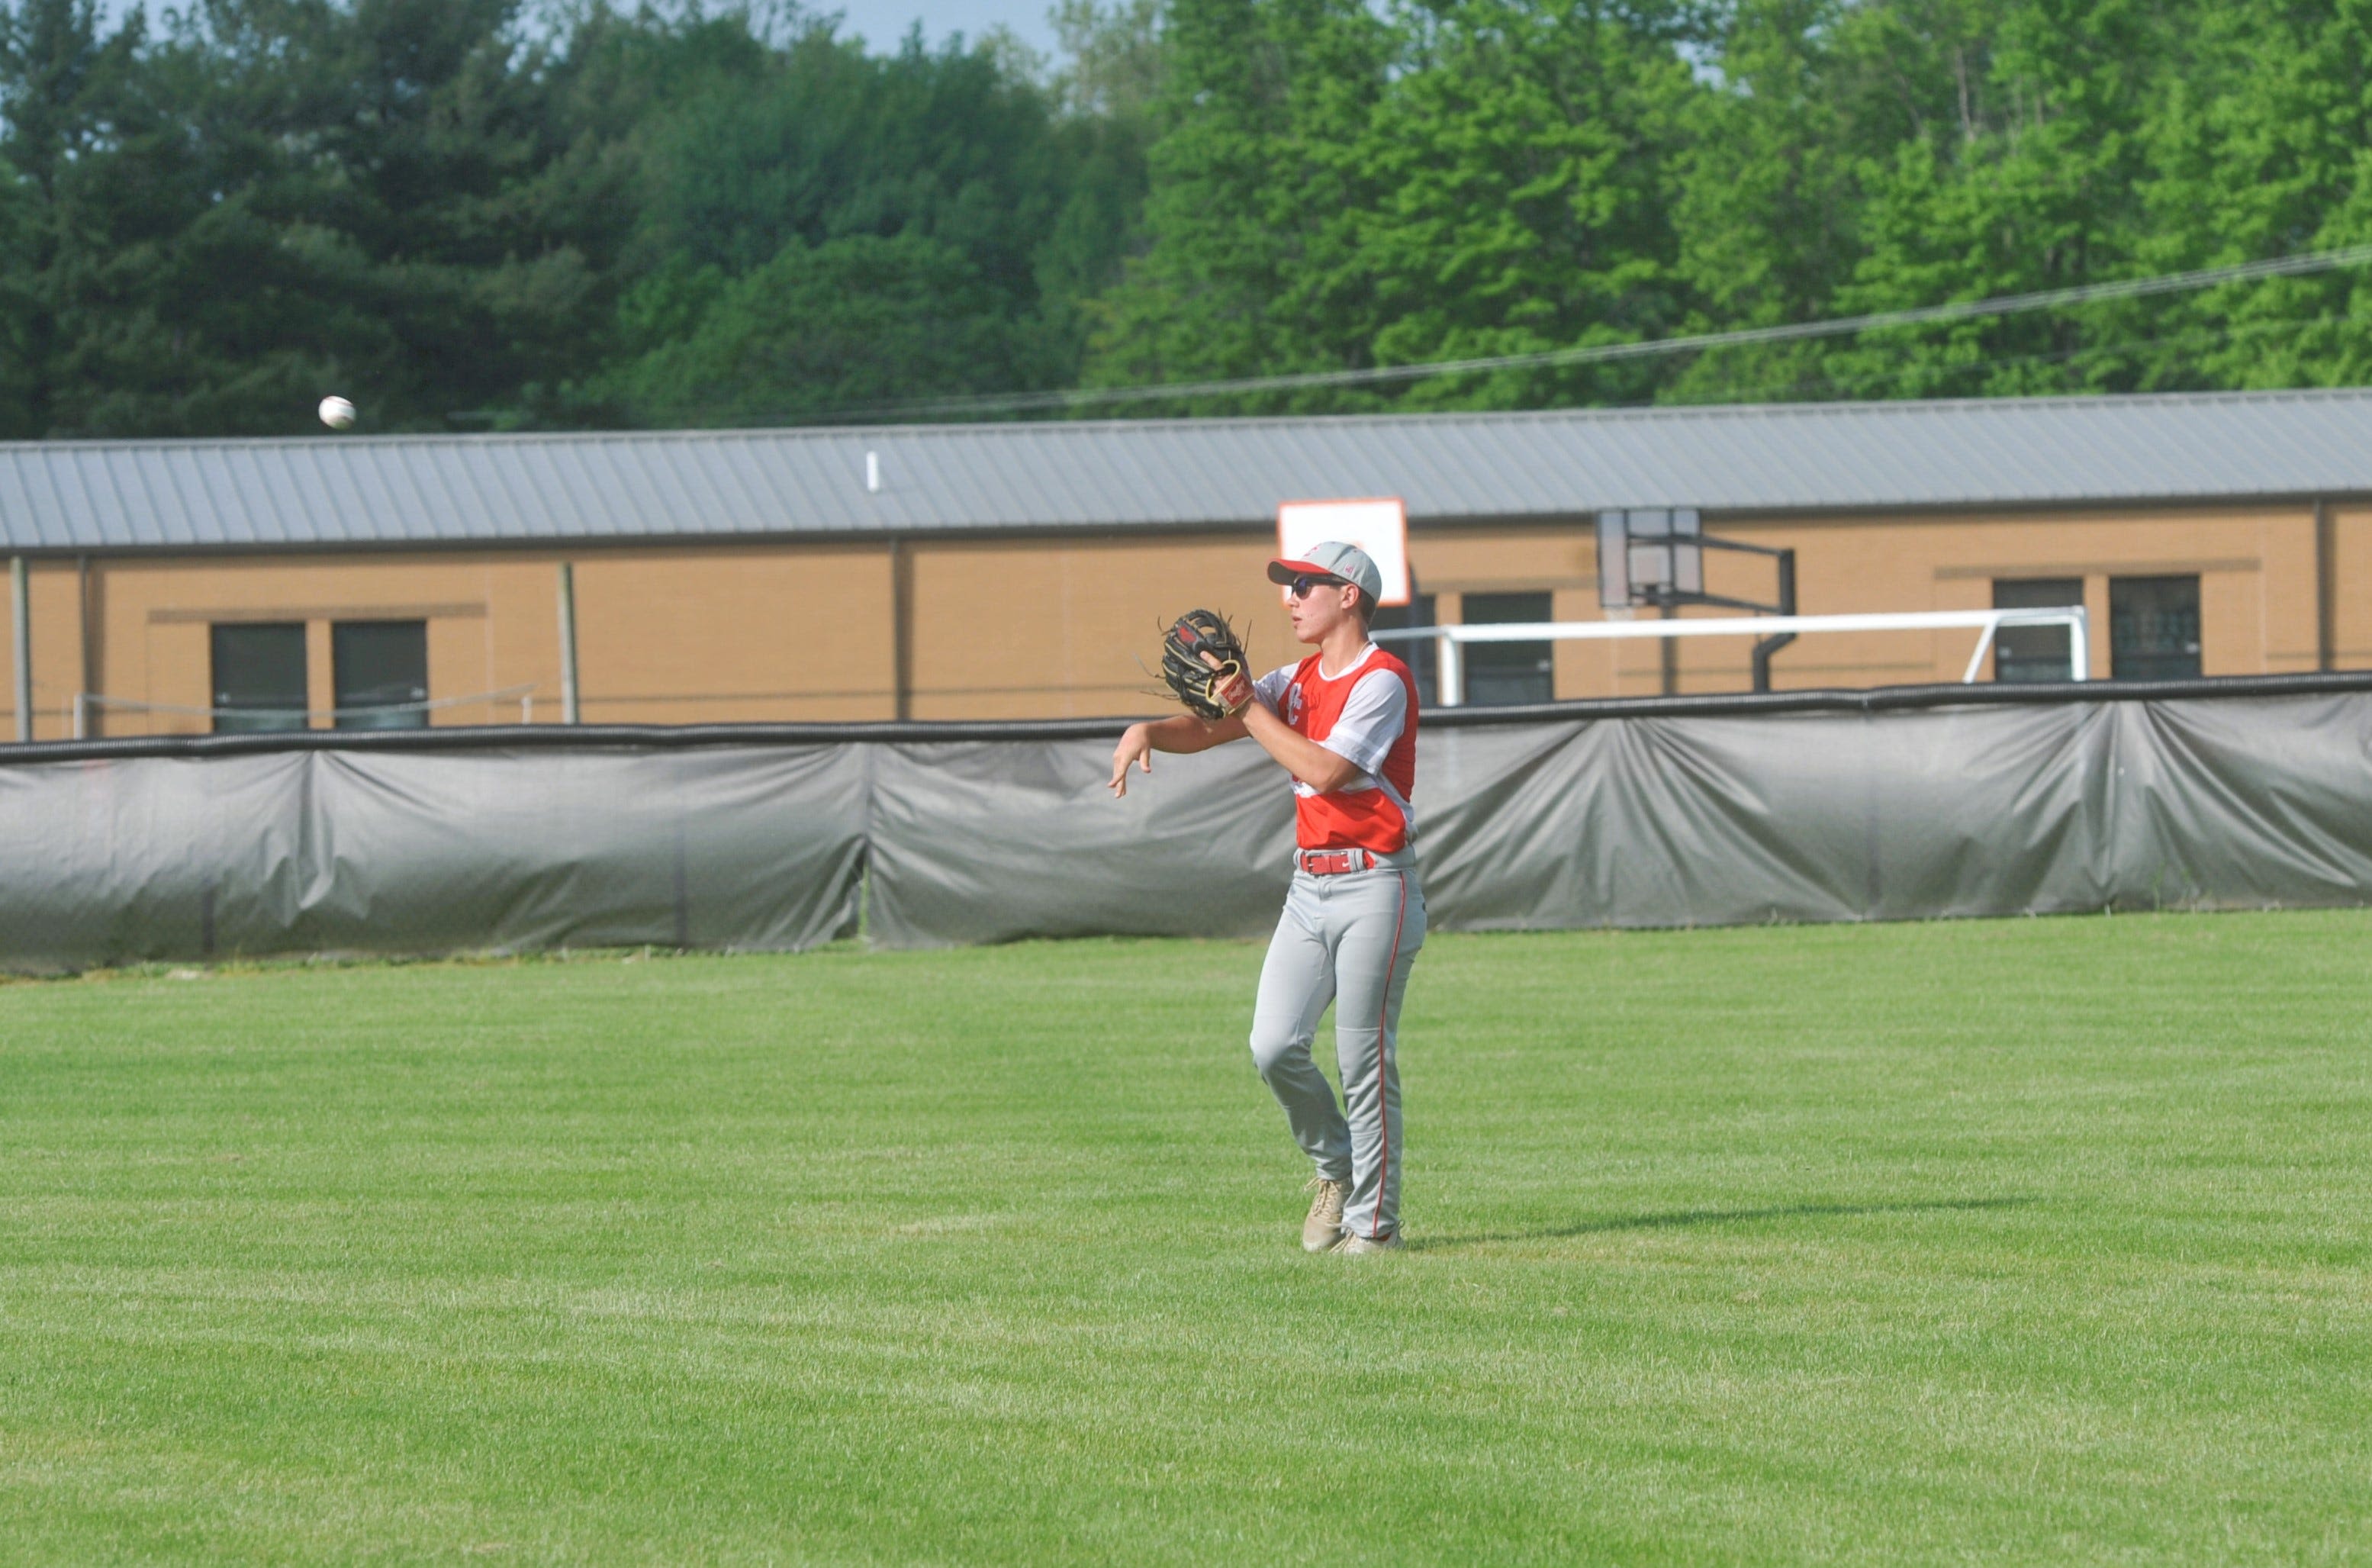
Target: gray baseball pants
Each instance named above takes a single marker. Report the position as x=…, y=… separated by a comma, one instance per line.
x=1348, y=939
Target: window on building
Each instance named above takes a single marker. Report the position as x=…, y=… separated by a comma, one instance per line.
x=1501, y=675
x=376, y=665
x=1422, y=654
x=2153, y=628
x=2034, y=653
x=259, y=672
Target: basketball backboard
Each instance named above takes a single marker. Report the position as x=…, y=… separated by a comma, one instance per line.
x=1650, y=555
x=1377, y=525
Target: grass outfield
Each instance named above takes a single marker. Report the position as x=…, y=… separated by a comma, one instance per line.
x=2025, y=1239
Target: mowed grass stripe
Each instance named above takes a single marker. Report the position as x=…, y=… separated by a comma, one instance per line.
x=2037, y=1240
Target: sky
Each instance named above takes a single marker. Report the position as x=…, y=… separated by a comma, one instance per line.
x=884, y=22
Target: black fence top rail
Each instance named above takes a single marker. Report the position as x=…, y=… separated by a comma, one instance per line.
x=529, y=737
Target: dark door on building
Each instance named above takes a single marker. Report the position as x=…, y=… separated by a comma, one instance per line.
x=259, y=674
x=2034, y=653
x=1501, y=675
x=2153, y=628
x=1422, y=654
x=376, y=665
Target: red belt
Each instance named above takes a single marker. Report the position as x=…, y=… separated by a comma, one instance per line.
x=1334, y=862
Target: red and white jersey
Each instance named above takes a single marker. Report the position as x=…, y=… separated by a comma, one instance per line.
x=1365, y=715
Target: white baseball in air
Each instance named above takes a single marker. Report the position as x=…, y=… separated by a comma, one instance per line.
x=337, y=413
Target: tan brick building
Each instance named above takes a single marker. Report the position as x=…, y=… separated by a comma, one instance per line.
x=1022, y=571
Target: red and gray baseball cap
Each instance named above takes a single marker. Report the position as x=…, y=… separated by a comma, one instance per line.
x=1344, y=562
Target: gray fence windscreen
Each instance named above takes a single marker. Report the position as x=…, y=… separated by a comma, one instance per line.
x=109, y=861
x=2205, y=796
x=991, y=841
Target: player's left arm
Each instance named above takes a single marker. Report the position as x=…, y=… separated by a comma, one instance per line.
x=1322, y=769
x=1363, y=734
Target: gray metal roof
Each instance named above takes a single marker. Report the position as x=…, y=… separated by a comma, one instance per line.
x=327, y=489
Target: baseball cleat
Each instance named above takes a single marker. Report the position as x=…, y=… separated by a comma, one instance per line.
x=1372, y=1243
x=1322, y=1231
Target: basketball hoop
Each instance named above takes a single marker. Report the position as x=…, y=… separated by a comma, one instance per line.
x=1655, y=555
x=1651, y=555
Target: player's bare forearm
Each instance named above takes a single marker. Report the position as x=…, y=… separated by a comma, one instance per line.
x=1186, y=734
x=1183, y=734
x=1320, y=769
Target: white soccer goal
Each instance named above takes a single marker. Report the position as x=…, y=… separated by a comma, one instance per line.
x=1451, y=640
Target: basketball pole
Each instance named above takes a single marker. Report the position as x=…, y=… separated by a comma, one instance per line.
x=1764, y=647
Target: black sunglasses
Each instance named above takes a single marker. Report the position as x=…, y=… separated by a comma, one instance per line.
x=1300, y=585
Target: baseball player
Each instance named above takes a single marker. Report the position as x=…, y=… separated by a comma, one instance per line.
x=1342, y=722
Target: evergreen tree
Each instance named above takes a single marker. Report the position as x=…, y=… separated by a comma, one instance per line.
x=89, y=202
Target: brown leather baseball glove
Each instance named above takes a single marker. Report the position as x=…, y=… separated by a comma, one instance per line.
x=1204, y=662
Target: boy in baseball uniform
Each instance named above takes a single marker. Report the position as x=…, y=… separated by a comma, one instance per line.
x=1342, y=722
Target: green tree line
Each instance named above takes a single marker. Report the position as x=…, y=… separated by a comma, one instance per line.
x=467, y=216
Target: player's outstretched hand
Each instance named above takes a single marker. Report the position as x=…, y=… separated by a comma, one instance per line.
x=1135, y=746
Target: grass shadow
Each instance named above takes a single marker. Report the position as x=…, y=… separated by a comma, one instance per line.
x=1681, y=1218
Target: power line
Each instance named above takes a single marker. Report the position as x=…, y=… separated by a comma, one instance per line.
x=2299, y=265
x=2196, y=338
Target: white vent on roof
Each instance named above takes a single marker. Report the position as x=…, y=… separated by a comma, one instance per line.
x=873, y=473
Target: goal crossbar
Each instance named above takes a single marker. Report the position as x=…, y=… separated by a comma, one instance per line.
x=1987, y=623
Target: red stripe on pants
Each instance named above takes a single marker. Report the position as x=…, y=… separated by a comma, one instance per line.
x=1383, y=1085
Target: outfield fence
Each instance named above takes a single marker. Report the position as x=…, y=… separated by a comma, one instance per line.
x=1904, y=803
